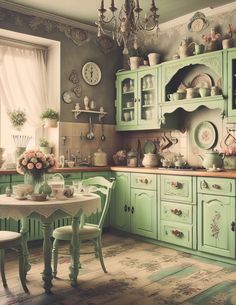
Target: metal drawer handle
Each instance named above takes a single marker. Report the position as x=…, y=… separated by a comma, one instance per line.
x=177, y=233
x=204, y=184
x=216, y=186
x=144, y=180
x=232, y=226
x=176, y=211
x=176, y=184
x=132, y=210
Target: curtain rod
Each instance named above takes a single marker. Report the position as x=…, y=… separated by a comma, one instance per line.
x=19, y=43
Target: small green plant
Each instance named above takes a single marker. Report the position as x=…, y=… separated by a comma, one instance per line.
x=43, y=142
x=17, y=118
x=50, y=114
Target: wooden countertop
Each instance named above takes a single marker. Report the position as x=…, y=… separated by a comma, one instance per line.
x=156, y=170
x=65, y=170
x=153, y=170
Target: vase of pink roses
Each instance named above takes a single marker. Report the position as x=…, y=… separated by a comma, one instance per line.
x=33, y=164
x=230, y=157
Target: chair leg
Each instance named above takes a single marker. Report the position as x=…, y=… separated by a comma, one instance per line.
x=55, y=257
x=96, y=250
x=99, y=246
x=21, y=269
x=2, y=262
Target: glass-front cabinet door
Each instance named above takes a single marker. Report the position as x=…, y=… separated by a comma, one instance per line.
x=126, y=100
x=231, y=75
x=137, y=99
x=147, y=98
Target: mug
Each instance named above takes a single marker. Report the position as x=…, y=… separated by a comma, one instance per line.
x=126, y=116
x=214, y=91
x=170, y=97
x=204, y=91
x=199, y=49
x=190, y=93
x=148, y=114
x=178, y=96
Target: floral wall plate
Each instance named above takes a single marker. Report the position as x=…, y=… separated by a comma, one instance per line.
x=205, y=135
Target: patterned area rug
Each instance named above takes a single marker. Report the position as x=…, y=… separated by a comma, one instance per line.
x=139, y=273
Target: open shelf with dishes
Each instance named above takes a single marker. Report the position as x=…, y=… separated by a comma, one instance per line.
x=193, y=82
x=100, y=114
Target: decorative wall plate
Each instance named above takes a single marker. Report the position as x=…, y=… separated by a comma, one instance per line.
x=77, y=90
x=205, y=135
x=149, y=147
x=198, y=22
x=202, y=80
x=74, y=77
x=67, y=97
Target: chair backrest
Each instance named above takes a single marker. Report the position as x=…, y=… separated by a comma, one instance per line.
x=104, y=187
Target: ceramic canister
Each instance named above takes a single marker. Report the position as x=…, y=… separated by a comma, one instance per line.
x=150, y=160
x=100, y=158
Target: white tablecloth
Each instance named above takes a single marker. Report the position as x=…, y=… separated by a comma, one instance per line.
x=11, y=207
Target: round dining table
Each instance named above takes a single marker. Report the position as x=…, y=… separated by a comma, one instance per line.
x=48, y=211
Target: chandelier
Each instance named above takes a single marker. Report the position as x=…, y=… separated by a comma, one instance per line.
x=128, y=22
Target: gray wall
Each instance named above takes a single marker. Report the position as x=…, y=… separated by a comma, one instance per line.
x=73, y=56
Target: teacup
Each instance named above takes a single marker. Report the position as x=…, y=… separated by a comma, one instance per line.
x=199, y=49
x=70, y=164
x=190, y=93
x=178, y=96
x=203, y=91
x=170, y=97
x=126, y=116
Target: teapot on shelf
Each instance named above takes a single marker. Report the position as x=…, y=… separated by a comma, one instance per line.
x=179, y=161
x=212, y=160
x=183, y=50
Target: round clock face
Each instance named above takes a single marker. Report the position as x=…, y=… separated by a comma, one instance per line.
x=91, y=73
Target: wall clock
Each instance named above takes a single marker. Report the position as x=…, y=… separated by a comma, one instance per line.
x=91, y=73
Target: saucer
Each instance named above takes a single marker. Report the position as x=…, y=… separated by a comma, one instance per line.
x=21, y=198
x=215, y=170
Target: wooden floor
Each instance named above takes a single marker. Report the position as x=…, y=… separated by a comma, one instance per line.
x=139, y=274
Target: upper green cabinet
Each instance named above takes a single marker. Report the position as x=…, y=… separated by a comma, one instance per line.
x=230, y=73
x=137, y=99
x=201, y=71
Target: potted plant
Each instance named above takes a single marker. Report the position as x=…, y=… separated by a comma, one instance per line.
x=17, y=118
x=50, y=117
x=44, y=146
x=135, y=58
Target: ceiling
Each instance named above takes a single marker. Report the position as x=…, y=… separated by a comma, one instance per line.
x=86, y=11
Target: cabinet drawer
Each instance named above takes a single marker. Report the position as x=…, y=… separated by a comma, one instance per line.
x=143, y=181
x=178, y=234
x=177, y=212
x=217, y=186
x=177, y=188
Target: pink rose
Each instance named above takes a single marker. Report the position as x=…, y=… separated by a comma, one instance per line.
x=30, y=165
x=38, y=165
x=24, y=162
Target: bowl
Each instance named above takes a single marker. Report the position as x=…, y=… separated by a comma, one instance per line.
x=70, y=164
x=38, y=197
x=22, y=190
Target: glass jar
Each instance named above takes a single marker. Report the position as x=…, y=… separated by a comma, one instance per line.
x=132, y=160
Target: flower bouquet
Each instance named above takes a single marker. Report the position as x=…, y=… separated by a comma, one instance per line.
x=34, y=164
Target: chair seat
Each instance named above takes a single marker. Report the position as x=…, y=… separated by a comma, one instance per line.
x=65, y=232
x=9, y=239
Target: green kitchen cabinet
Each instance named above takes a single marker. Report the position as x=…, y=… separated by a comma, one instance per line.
x=120, y=204
x=137, y=99
x=204, y=70
x=216, y=216
x=6, y=224
x=134, y=208
x=230, y=73
x=177, y=210
x=143, y=211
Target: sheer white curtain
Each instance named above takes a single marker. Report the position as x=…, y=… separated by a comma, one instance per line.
x=23, y=85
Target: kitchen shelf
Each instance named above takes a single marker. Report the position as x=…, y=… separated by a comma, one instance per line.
x=100, y=114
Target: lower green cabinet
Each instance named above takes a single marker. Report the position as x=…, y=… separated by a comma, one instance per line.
x=120, y=204
x=134, y=210
x=143, y=213
x=216, y=225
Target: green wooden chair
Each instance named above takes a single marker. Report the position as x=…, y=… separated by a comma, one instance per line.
x=9, y=240
x=87, y=231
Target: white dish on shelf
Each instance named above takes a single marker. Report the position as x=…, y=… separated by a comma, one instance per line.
x=215, y=170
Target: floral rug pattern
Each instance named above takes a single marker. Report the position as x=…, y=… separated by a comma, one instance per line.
x=139, y=273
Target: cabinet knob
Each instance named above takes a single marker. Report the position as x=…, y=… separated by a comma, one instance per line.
x=176, y=211
x=216, y=186
x=176, y=185
x=177, y=233
x=232, y=226
x=132, y=210
x=204, y=184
